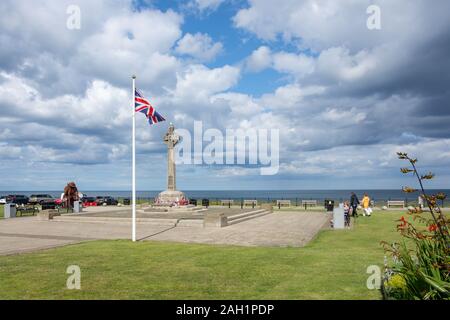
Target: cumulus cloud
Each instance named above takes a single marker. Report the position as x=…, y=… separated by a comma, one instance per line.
x=260, y=59
x=203, y=5
x=300, y=65
x=344, y=98
x=198, y=82
x=199, y=46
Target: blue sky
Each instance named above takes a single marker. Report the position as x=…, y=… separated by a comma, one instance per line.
x=344, y=98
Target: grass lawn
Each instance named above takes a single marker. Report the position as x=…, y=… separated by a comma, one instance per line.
x=2, y=207
x=332, y=266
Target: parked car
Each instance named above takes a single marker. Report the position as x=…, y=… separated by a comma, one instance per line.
x=41, y=198
x=110, y=201
x=17, y=199
x=3, y=200
x=89, y=202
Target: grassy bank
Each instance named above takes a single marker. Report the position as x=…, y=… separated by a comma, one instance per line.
x=332, y=266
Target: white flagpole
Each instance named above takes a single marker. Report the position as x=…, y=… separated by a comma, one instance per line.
x=133, y=231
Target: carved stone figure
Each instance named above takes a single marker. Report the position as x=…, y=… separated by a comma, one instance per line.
x=70, y=195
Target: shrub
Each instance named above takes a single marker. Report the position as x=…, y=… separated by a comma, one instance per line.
x=421, y=261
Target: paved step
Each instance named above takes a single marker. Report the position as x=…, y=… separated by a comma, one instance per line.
x=245, y=214
x=152, y=221
x=253, y=215
x=190, y=223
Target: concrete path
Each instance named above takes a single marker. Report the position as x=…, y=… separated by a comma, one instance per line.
x=272, y=230
x=278, y=229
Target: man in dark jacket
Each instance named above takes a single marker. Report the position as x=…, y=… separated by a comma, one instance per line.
x=354, y=202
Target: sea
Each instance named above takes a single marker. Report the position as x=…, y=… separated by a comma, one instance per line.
x=263, y=195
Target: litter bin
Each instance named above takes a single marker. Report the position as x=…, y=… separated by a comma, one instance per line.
x=193, y=202
x=205, y=203
x=126, y=202
x=10, y=210
x=77, y=207
x=329, y=205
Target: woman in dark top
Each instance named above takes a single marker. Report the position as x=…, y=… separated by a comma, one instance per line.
x=354, y=202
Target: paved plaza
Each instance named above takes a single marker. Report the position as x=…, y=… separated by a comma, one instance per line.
x=285, y=228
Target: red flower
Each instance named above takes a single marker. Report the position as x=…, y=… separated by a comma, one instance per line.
x=432, y=228
x=403, y=222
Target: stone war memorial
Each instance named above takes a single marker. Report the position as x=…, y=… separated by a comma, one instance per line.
x=171, y=197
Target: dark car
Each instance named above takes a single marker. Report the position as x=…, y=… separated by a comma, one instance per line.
x=89, y=202
x=41, y=198
x=17, y=199
x=110, y=201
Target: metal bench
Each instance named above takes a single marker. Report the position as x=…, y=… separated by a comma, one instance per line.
x=397, y=203
x=312, y=203
x=281, y=203
x=252, y=203
x=226, y=202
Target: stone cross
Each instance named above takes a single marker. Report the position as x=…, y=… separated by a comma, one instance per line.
x=171, y=139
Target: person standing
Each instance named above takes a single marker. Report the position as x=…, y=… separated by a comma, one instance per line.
x=366, y=205
x=354, y=202
x=347, y=214
x=420, y=201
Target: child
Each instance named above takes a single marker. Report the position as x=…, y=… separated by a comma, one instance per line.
x=366, y=205
x=347, y=214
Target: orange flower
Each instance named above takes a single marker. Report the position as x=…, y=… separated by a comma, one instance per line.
x=432, y=228
x=403, y=222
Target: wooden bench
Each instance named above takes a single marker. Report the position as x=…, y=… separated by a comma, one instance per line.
x=252, y=203
x=281, y=203
x=227, y=203
x=391, y=203
x=311, y=203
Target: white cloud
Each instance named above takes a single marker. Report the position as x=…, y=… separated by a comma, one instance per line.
x=329, y=23
x=240, y=104
x=299, y=65
x=369, y=161
x=198, y=82
x=134, y=43
x=260, y=59
x=203, y=5
x=200, y=46
x=343, y=117
x=338, y=63
x=290, y=96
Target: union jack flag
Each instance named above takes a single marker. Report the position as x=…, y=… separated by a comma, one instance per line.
x=143, y=105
